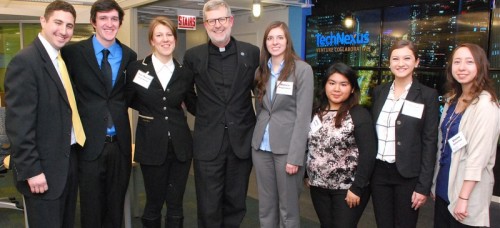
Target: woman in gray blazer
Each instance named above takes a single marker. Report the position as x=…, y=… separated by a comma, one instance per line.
x=284, y=94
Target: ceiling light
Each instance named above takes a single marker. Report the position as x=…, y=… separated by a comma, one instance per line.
x=256, y=8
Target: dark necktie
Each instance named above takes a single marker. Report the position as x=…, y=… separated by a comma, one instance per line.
x=106, y=69
x=108, y=78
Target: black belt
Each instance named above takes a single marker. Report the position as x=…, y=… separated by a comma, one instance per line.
x=111, y=138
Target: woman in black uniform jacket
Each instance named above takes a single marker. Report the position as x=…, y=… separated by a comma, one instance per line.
x=406, y=116
x=157, y=87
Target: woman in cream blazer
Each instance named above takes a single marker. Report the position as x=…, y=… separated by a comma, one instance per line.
x=468, y=136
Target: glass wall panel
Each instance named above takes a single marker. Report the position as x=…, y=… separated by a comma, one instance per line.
x=30, y=32
x=10, y=44
x=329, y=39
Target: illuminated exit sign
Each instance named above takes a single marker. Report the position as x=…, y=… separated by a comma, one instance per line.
x=186, y=22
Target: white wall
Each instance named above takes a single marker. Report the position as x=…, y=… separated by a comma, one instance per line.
x=251, y=30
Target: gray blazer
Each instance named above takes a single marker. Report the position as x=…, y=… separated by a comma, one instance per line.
x=288, y=116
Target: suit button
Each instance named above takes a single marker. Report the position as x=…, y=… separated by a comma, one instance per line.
x=168, y=90
x=164, y=108
x=164, y=98
x=399, y=143
x=166, y=117
x=398, y=122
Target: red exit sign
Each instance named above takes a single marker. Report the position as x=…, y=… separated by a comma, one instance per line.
x=187, y=22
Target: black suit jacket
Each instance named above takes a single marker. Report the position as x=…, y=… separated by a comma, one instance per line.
x=416, y=139
x=161, y=113
x=95, y=101
x=38, y=121
x=214, y=113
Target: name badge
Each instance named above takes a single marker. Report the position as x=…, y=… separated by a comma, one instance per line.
x=315, y=124
x=285, y=88
x=413, y=109
x=143, y=79
x=457, y=142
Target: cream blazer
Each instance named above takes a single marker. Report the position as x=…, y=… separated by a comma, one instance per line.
x=480, y=125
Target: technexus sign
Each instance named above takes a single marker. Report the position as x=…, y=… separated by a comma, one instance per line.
x=341, y=42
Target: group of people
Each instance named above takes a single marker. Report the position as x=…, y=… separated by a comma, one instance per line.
x=392, y=153
x=69, y=129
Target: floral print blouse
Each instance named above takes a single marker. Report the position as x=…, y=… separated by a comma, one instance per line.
x=333, y=154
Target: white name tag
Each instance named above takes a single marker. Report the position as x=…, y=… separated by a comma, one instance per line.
x=457, y=142
x=413, y=109
x=315, y=124
x=143, y=79
x=285, y=88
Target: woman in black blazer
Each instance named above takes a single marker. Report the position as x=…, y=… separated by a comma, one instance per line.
x=158, y=87
x=406, y=115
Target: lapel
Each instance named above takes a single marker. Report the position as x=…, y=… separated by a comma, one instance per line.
x=177, y=73
x=89, y=54
x=148, y=67
x=50, y=68
x=241, y=67
x=382, y=97
x=414, y=91
x=120, y=75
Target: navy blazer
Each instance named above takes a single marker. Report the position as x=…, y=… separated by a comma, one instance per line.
x=95, y=101
x=214, y=113
x=38, y=121
x=161, y=113
x=416, y=139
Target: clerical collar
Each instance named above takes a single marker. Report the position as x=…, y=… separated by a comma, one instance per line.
x=222, y=49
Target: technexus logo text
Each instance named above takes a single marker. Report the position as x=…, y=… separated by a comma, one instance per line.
x=336, y=39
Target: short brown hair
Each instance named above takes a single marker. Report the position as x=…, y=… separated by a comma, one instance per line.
x=59, y=5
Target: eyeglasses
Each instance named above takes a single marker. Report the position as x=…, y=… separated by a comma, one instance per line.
x=221, y=21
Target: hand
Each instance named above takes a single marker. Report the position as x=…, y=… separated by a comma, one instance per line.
x=417, y=200
x=460, y=211
x=291, y=169
x=352, y=199
x=306, y=182
x=38, y=184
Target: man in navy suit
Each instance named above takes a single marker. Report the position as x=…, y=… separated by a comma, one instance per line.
x=97, y=66
x=223, y=71
x=39, y=122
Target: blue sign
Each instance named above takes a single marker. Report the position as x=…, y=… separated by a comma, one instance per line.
x=336, y=39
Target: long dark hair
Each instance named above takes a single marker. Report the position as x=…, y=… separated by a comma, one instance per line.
x=480, y=83
x=263, y=72
x=322, y=105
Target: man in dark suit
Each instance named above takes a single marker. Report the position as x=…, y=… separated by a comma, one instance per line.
x=223, y=72
x=40, y=125
x=97, y=66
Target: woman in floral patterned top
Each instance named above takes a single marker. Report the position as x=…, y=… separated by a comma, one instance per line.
x=342, y=150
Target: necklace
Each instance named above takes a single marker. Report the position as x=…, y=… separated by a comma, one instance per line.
x=449, y=123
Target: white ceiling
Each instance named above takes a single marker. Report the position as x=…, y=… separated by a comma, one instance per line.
x=148, y=9
x=172, y=8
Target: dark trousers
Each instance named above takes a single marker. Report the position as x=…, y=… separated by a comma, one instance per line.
x=165, y=183
x=332, y=209
x=391, y=197
x=221, y=188
x=103, y=185
x=443, y=217
x=59, y=212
